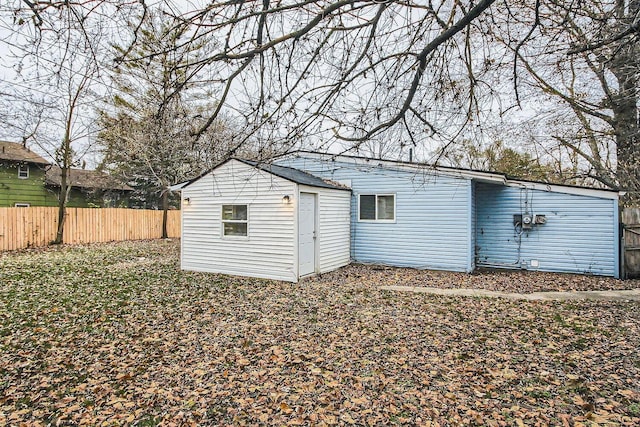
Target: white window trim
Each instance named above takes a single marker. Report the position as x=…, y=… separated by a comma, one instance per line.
x=387, y=221
x=234, y=221
x=22, y=168
x=22, y=205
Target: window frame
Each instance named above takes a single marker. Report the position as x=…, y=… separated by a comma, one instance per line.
x=21, y=169
x=384, y=221
x=21, y=205
x=233, y=221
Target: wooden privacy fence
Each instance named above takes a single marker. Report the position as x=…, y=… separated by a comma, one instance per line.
x=630, y=242
x=36, y=226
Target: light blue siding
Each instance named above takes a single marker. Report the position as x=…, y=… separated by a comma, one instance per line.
x=580, y=235
x=616, y=236
x=433, y=214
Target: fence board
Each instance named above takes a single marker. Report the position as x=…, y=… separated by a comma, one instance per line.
x=36, y=226
x=630, y=219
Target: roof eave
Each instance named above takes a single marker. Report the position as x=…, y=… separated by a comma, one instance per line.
x=480, y=176
x=30, y=161
x=179, y=186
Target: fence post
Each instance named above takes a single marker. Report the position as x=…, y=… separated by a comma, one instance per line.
x=623, y=272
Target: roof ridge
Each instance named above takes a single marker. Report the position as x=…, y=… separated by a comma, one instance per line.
x=17, y=152
x=445, y=168
x=311, y=177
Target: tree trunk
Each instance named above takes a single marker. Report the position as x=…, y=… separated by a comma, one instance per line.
x=62, y=213
x=625, y=66
x=65, y=160
x=628, y=148
x=165, y=212
x=63, y=197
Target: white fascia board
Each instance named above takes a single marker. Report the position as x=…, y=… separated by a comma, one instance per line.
x=556, y=188
x=178, y=187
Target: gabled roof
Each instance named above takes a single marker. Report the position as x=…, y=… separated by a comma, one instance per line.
x=87, y=179
x=295, y=175
x=476, y=175
x=290, y=174
x=18, y=153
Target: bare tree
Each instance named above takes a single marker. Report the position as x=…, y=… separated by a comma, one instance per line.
x=423, y=74
x=77, y=89
x=57, y=71
x=22, y=115
x=351, y=71
x=346, y=70
x=580, y=65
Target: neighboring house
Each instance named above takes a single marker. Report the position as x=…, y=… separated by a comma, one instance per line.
x=26, y=179
x=90, y=188
x=409, y=215
x=22, y=177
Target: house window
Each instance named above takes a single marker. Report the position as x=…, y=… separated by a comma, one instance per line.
x=235, y=220
x=377, y=207
x=22, y=205
x=23, y=171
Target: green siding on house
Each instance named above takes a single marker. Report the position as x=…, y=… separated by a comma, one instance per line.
x=41, y=185
x=30, y=190
x=77, y=199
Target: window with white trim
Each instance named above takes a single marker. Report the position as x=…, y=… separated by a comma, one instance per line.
x=23, y=171
x=235, y=220
x=22, y=205
x=377, y=207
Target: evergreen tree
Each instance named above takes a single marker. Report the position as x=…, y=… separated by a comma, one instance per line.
x=148, y=135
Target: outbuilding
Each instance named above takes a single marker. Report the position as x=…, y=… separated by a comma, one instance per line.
x=264, y=220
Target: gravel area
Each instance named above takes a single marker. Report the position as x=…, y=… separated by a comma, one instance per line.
x=489, y=279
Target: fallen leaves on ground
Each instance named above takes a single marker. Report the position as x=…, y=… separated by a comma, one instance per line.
x=116, y=334
x=493, y=280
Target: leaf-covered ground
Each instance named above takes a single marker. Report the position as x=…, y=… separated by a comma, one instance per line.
x=493, y=280
x=116, y=334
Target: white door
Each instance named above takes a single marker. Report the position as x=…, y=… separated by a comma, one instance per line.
x=307, y=234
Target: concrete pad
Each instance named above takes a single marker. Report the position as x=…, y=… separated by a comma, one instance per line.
x=624, y=295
